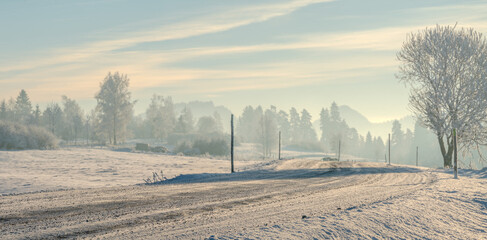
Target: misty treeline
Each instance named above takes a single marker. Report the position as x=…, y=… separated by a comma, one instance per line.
x=262, y=126
x=67, y=120
x=112, y=121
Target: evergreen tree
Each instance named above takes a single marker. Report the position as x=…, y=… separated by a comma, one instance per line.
x=258, y=125
x=324, y=124
x=294, y=122
x=284, y=126
x=36, y=120
x=397, y=135
x=369, y=146
x=270, y=132
x=3, y=110
x=308, y=134
x=335, y=113
x=23, y=108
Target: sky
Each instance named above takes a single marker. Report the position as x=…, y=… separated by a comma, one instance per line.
x=302, y=53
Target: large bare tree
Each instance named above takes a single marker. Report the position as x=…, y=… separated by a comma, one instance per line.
x=446, y=68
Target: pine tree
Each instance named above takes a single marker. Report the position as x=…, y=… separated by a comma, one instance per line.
x=3, y=110
x=284, y=126
x=324, y=124
x=294, y=121
x=23, y=108
x=308, y=134
x=37, y=116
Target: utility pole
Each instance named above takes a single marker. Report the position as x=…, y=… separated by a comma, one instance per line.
x=339, y=146
x=389, y=149
x=417, y=156
x=279, y=154
x=455, y=156
x=231, y=144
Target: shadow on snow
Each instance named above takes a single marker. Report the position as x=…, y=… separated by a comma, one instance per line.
x=283, y=174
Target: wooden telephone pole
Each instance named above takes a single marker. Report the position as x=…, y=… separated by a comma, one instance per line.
x=389, y=149
x=339, y=146
x=455, y=155
x=279, y=154
x=417, y=150
x=231, y=144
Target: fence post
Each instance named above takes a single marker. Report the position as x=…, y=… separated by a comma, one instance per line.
x=231, y=144
x=455, y=155
x=279, y=156
x=339, y=149
x=389, y=149
x=417, y=155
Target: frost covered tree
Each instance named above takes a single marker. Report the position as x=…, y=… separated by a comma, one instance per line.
x=3, y=110
x=53, y=118
x=324, y=125
x=208, y=125
x=114, y=105
x=269, y=132
x=446, y=69
x=154, y=118
x=74, y=117
x=23, y=108
x=160, y=117
x=185, y=123
x=294, y=121
x=36, y=118
x=307, y=131
x=284, y=126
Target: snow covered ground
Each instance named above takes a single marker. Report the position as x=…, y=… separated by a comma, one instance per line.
x=40, y=170
x=290, y=199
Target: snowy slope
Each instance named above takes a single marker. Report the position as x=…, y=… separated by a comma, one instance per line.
x=292, y=199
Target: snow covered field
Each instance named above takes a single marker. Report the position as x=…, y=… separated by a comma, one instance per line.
x=38, y=170
x=291, y=199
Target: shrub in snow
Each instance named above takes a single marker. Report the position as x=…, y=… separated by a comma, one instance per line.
x=18, y=136
x=211, y=146
x=156, y=178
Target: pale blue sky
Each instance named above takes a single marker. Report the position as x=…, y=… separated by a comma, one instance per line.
x=304, y=54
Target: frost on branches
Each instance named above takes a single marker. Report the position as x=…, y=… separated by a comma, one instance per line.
x=446, y=69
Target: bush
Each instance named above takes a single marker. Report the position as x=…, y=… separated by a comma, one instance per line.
x=215, y=147
x=19, y=137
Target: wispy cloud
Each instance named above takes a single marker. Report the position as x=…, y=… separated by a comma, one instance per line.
x=204, y=25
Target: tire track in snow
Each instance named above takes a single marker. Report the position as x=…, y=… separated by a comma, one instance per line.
x=199, y=209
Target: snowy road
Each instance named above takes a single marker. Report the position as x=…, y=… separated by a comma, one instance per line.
x=297, y=199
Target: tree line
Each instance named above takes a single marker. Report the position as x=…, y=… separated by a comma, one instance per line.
x=112, y=120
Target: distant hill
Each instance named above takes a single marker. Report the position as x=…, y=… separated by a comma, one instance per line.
x=358, y=121
x=200, y=109
x=362, y=124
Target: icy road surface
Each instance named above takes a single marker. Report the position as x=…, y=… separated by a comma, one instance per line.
x=294, y=199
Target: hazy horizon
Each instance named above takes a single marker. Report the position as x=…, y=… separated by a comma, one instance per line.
x=302, y=54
